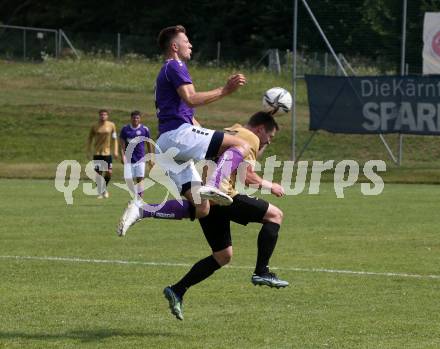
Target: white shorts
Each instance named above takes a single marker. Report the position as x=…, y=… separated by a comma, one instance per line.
x=134, y=170
x=186, y=177
x=191, y=141
x=189, y=144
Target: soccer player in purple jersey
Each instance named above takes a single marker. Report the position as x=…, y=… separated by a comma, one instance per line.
x=134, y=168
x=176, y=98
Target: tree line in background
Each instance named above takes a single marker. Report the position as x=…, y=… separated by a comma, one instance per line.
x=364, y=28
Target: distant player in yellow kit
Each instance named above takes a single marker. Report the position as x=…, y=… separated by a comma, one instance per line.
x=101, y=135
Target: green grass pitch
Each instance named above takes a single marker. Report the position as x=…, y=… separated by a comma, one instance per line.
x=82, y=302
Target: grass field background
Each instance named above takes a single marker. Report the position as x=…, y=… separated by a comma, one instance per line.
x=363, y=269
x=68, y=304
x=46, y=111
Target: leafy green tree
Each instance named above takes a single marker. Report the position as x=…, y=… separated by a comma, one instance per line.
x=364, y=28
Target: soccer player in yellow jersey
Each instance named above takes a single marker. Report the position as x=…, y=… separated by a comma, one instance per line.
x=257, y=133
x=102, y=135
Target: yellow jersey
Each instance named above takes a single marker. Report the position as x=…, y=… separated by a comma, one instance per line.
x=228, y=184
x=102, y=134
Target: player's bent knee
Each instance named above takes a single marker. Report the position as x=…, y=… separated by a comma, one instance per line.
x=280, y=215
x=223, y=257
x=202, y=211
x=273, y=214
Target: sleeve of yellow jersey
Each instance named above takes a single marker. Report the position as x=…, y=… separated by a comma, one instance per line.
x=254, y=144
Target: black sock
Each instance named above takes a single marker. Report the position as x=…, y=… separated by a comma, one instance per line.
x=107, y=180
x=199, y=272
x=267, y=239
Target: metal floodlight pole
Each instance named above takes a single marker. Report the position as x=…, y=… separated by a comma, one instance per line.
x=329, y=46
x=402, y=68
x=341, y=67
x=403, y=48
x=294, y=54
x=343, y=59
x=335, y=56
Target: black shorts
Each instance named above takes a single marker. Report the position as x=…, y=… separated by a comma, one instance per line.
x=106, y=158
x=243, y=210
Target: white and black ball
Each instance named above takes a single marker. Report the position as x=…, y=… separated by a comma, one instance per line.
x=277, y=99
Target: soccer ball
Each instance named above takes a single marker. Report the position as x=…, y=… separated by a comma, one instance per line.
x=277, y=98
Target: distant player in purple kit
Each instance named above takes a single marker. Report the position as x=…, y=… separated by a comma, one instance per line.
x=134, y=168
x=176, y=99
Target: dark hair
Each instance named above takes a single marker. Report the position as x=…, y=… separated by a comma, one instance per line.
x=263, y=118
x=168, y=34
x=135, y=113
x=100, y=111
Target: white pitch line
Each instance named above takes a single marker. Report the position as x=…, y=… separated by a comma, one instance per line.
x=167, y=264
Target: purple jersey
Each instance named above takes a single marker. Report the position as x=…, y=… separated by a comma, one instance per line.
x=171, y=110
x=128, y=133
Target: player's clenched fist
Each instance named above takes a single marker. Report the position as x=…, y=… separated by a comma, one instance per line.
x=234, y=82
x=277, y=190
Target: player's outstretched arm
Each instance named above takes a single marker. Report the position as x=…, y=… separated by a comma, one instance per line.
x=253, y=178
x=194, y=99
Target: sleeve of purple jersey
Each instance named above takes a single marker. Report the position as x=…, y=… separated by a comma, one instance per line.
x=147, y=132
x=178, y=74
